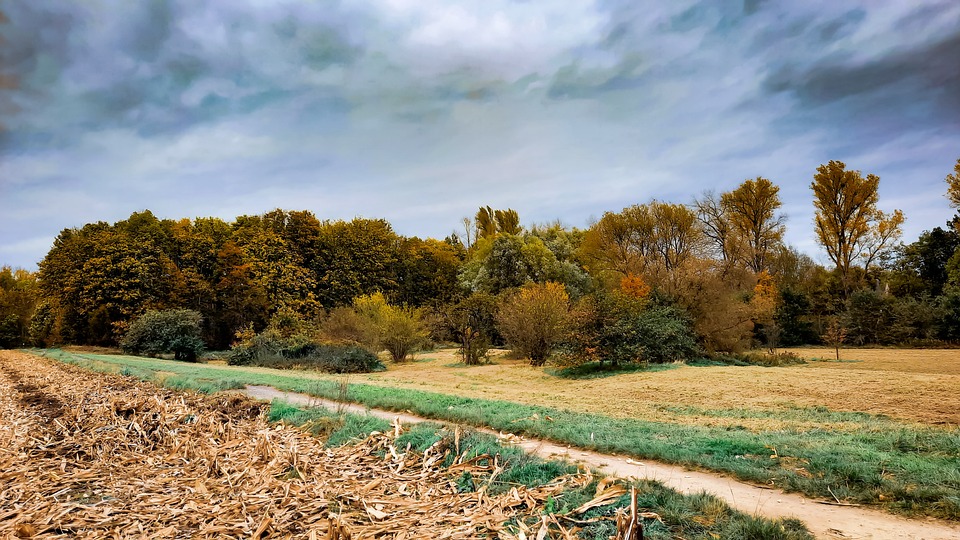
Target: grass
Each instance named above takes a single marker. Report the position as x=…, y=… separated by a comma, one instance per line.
x=597, y=370
x=856, y=457
x=698, y=516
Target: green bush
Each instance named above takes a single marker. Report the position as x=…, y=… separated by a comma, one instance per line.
x=620, y=329
x=656, y=334
x=175, y=331
x=269, y=349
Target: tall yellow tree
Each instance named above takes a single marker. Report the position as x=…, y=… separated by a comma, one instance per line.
x=848, y=223
x=752, y=210
x=881, y=237
x=953, y=186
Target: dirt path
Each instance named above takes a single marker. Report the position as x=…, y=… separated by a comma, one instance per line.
x=824, y=520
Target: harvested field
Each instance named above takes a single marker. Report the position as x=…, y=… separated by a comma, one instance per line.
x=86, y=455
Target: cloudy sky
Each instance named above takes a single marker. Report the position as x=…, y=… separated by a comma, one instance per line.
x=419, y=111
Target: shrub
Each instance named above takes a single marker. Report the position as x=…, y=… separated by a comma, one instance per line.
x=345, y=325
x=268, y=349
x=655, y=334
x=174, y=331
x=471, y=322
x=402, y=331
x=534, y=319
x=376, y=325
x=619, y=328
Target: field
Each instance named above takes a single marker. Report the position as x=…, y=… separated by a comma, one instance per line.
x=795, y=427
x=910, y=385
x=86, y=455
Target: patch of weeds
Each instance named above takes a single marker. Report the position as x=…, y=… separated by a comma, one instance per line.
x=335, y=429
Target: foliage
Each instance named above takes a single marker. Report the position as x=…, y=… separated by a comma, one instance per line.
x=174, y=331
x=635, y=287
x=848, y=223
x=948, y=321
x=763, y=304
x=953, y=186
x=375, y=324
x=490, y=222
x=427, y=271
x=507, y=261
x=922, y=266
x=471, y=322
x=656, y=334
x=271, y=349
x=792, y=318
x=534, y=319
x=752, y=213
x=345, y=325
x=621, y=329
x=868, y=317
x=654, y=240
x=18, y=302
x=403, y=331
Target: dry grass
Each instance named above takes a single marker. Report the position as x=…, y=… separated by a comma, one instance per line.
x=911, y=385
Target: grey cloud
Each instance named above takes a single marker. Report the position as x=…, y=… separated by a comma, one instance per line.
x=879, y=98
x=79, y=72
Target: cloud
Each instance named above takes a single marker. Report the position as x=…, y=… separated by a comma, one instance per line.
x=420, y=111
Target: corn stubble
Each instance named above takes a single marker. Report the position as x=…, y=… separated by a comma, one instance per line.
x=99, y=456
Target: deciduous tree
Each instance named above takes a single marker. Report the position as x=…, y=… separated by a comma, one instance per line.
x=953, y=186
x=752, y=211
x=534, y=319
x=847, y=218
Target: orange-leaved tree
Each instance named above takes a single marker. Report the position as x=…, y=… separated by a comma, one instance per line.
x=534, y=319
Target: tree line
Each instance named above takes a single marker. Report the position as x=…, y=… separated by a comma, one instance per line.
x=715, y=269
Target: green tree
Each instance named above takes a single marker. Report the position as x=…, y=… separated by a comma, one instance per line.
x=792, y=316
x=507, y=261
x=174, y=331
x=926, y=260
x=18, y=302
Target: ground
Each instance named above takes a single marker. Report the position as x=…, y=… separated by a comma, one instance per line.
x=913, y=385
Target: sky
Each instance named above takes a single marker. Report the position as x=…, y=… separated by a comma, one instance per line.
x=420, y=111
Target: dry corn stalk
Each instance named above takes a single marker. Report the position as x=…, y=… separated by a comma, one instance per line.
x=86, y=455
